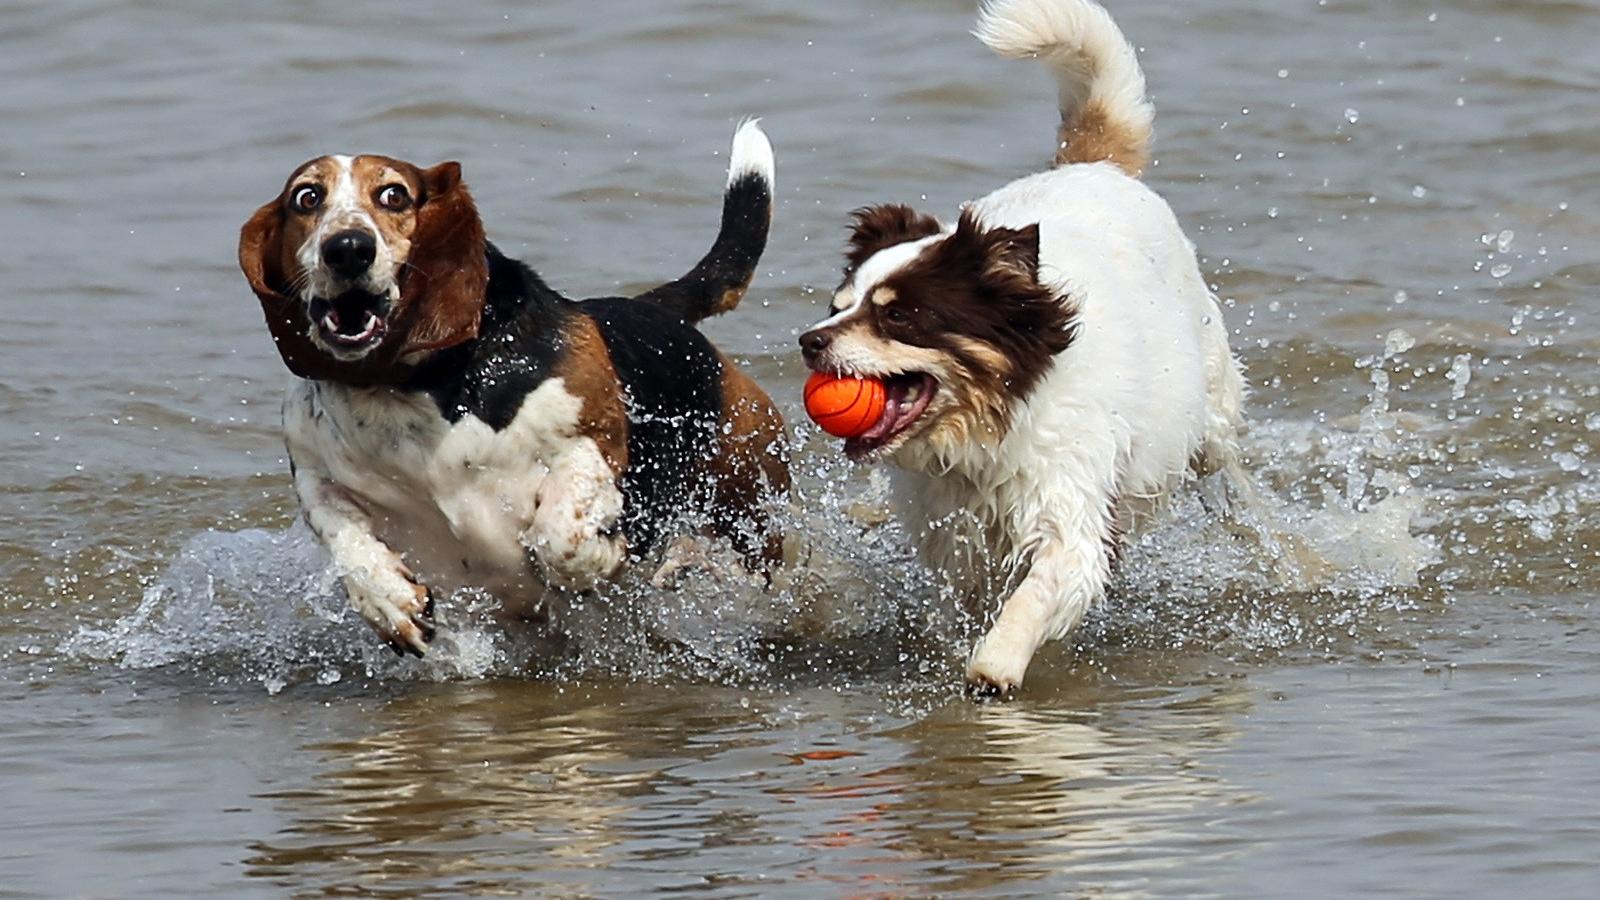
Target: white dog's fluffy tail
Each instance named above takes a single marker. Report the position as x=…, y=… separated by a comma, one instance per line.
x=1104, y=112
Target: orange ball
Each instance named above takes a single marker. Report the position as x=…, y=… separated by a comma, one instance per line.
x=844, y=406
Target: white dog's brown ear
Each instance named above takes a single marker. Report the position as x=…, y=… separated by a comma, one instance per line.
x=873, y=228
x=447, y=274
x=1014, y=250
x=1034, y=321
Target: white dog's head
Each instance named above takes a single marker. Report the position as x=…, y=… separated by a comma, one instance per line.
x=956, y=324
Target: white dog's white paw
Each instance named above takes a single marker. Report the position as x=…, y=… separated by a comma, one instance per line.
x=998, y=664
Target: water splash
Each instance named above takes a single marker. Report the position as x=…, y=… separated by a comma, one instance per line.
x=266, y=607
x=261, y=606
x=1312, y=558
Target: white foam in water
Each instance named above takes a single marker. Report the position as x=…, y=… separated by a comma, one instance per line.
x=1301, y=572
x=264, y=607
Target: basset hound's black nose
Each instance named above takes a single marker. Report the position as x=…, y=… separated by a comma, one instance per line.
x=349, y=253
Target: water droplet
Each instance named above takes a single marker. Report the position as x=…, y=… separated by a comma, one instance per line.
x=1351, y=116
x=1398, y=341
x=1419, y=192
x=1459, y=376
x=1500, y=271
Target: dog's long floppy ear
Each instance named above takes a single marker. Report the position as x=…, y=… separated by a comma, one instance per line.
x=261, y=258
x=872, y=228
x=447, y=275
x=261, y=251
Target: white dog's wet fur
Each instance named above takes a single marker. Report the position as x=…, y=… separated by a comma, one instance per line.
x=1056, y=362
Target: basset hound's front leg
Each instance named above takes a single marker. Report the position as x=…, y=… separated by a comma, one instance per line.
x=575, y=536
x=381, y=587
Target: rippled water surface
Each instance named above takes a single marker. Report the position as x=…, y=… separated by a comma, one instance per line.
x=1397, y=202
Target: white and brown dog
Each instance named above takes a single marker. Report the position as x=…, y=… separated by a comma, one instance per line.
x=455, y=422
x=1056, y=363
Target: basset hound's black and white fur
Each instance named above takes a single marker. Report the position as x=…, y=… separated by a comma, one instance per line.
x=455, y=422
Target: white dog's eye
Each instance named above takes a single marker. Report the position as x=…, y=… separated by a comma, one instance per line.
x=394, y=197
x=306, y=198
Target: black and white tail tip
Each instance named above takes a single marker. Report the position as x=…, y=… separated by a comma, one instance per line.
x=719, y=280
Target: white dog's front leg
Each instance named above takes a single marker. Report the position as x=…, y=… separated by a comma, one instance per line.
x=1066, y=578
x=381, y=587
x=575, y=533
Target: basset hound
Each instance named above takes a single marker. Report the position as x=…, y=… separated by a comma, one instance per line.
x=455, y=422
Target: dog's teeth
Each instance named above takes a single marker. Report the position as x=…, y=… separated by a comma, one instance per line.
x=913, y=392
x=330, y=323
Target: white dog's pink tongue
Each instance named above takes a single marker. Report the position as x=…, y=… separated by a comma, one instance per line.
x=891, y=414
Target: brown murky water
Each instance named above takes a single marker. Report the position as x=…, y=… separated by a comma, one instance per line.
x=1398, y=202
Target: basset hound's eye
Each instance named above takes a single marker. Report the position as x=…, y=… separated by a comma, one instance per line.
x=394, y=197
x=305, y=198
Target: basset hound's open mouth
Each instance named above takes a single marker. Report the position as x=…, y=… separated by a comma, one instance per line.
x=353, y=320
